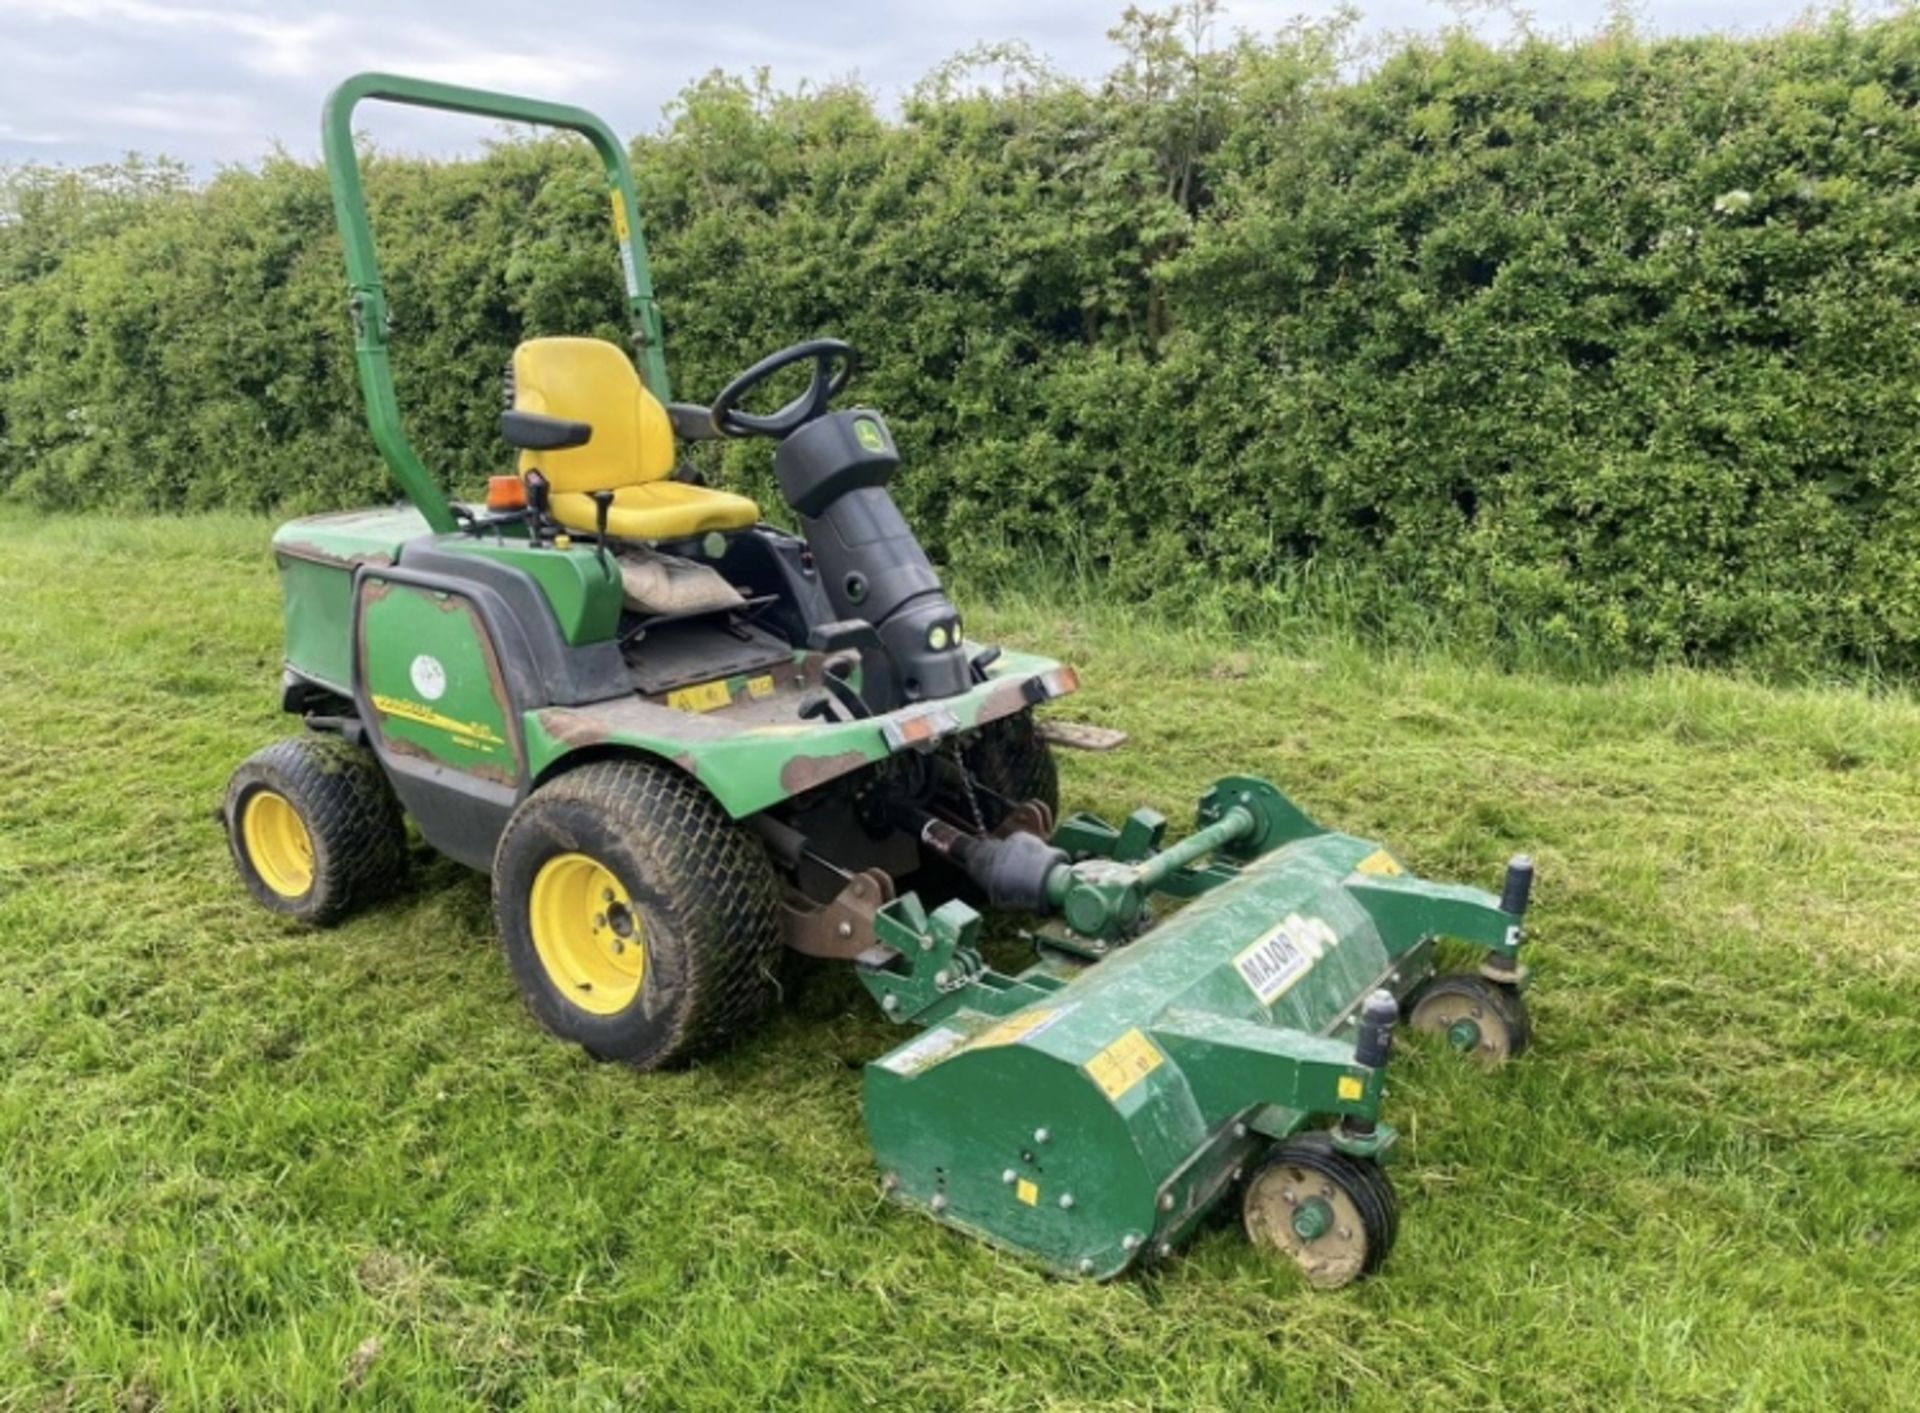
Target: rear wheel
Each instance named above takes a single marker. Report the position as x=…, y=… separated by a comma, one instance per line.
x=638, y=920
x=1334, y=1215
x=314, y=827
x=1011, y=758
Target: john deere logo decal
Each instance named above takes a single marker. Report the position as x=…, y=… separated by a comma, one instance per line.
x=869, y=435
x=429, y=677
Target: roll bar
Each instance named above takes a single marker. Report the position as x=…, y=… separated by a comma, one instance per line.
x=367, y=300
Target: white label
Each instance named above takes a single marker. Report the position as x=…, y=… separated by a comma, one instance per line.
x=1284, y=955
x=935, y=1045
x=429, y=677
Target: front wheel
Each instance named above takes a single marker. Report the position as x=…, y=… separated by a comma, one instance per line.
x=638, y=920
x=1013, y=760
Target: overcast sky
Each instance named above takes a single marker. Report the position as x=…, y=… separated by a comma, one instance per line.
x=215, y=81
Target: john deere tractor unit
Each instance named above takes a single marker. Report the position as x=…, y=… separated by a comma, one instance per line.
x=683, y=741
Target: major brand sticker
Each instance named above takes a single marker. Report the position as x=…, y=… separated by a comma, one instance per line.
x=1123, y=1064
x=929, y=1049
x=429, y=677
x=1284, y=955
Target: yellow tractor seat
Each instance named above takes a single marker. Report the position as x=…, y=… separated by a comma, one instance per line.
x=630, y=451
x=658, y=510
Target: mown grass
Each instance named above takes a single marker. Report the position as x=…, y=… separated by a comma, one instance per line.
x=250, y=1166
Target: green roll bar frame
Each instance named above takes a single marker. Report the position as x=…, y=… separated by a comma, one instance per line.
x=367, y=299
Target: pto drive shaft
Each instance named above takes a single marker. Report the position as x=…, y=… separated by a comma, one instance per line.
x=1097, y=897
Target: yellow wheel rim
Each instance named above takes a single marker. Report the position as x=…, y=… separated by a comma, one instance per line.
x=587, y=933
x=277, y=843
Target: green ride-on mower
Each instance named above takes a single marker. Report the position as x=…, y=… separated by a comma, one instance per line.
x=682, y=741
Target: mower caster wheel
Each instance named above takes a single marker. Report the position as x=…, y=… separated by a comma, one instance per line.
x=639, y=921
x=1333, y=1215
x=315, y=829
x=1477, y=1016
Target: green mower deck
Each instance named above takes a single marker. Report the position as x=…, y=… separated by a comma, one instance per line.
x=681, y=739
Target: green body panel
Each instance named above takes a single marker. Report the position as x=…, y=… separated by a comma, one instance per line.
x=316, y=558
x=581, y=588
x=758, y=751
x=434, y=683
x=367, y=300
x=1135, y=1086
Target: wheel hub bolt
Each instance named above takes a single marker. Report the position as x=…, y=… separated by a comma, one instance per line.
x=1312, y=1220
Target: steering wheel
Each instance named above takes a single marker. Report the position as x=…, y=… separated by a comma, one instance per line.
x=833, y=365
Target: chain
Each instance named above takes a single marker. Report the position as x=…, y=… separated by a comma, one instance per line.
x=966, y=786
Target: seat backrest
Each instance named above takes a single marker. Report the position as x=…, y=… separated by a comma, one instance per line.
x=591, y=380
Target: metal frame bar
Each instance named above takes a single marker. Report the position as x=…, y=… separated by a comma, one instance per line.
x=367, y=299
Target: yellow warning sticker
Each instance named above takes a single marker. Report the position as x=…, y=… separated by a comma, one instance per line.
x=1379, y=863
x=758, y=687
x=1027, y=1192
x=1021, y=1025
x=619, y=216
x=1352, y=1088
x=708, y=696
x=1123, y=1064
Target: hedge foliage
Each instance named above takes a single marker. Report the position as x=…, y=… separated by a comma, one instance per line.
x=1613, y=341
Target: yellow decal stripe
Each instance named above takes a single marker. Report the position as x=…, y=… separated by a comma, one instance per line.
x=474, y=731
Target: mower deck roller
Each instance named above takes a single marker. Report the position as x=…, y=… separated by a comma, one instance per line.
x=1092, y=1111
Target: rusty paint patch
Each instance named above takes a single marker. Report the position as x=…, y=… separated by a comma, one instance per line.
x=314, y=554
x=413, y=750
x=803, y=773
x=572, y=728
x=1004, y=700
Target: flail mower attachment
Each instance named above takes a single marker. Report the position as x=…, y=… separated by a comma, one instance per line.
x=1093, y=1110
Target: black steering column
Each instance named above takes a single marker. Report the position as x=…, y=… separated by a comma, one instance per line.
x=833, y=469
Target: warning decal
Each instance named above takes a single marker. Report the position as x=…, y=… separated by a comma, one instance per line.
x=930, y=1048
x=1123, y=1064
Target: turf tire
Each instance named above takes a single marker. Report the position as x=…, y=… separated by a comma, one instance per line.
x=702, y=886
x=352, y=819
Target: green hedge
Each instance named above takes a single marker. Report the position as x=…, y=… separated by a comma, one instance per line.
x=1608, y=343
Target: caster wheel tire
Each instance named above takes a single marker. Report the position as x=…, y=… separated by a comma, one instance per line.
x=1478, y=1017
x=1334, y=1216
x=315, y=829
x=639, y=921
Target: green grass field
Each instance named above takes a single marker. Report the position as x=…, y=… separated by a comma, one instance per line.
x=249, y=1166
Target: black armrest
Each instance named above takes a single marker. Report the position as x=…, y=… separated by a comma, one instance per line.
x=692, y=422
x=533, y=431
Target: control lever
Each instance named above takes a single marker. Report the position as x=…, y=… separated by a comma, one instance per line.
x=538, y=489
x=602, y=504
